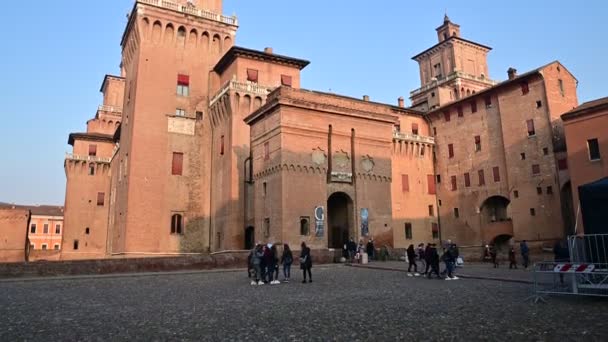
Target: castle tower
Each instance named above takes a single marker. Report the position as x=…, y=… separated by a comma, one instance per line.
x=160, y=183
x=451, y=69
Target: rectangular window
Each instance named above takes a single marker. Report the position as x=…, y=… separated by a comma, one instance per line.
x=438, y=179
x=531, y=130
x=482, y=178
x=561, y=86
x=562, y=164
x=177, y=163
x=92, y=150
x=267, y=227
x=304, y=225
x=266, y=150
x=199, y=115
x=264, y=189
x=44, y=246
x=45, y=228
x=545, y=151
x=522, y=156
x=180, y=112
x=488, y=101
x=33, y=228
x=183, y=88
x=408, y=231
x=496, y=172
x=252, y=75
x=447, y=115
x=460, y=111
x=100, y=198
x=431, y=184
x=536, y=169
x=467, y=180
x=477, y=143
x=456, y=213
x=524, y=88
x=434, y=130
x=56, y=247
x=532, y=212
x=222, y=145
x=75, y=244
x=415, y=128
x=454, y=183
x=539, y=190
x=405, y=183
x=516, y=194
x=450, y=150
x=594, y=149
x=431, y=210
x=57, y=229
x=435, y=230
x=397, y=128
x=549, y=190
x=32, y=246
x=286, y=80
x=539, y=104
x=473, y=107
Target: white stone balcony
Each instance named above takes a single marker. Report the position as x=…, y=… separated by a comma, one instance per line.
x=109, y=109
x=93, y=159
x=421, y=139
x=450, y=77
x=243, y=87
x=201, y=13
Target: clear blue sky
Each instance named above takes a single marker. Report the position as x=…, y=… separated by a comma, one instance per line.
x=55, y=54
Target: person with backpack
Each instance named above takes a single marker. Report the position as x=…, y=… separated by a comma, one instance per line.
x=306, y=262
x=286, y=260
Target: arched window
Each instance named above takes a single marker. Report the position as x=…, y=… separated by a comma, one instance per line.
x=304, y=225
x=176, y=224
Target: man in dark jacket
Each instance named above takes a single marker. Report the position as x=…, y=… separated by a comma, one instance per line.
x=433, y=261
x=427, y=258
x=351, y=246
x=370, y=249
x=525, y=253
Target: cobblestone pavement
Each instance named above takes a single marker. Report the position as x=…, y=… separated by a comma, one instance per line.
x=343, y=304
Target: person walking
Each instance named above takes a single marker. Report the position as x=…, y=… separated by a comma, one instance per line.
x=433, y=261
x=286, y=260
x=269, y=264
x=352, y=250
x=411, y=257
x=420, y=255
x=493, y=255
x=512, y=261
x=360, y=251
x=427, y=258
x=525, y=253
x=370, y=249
x=306, y=262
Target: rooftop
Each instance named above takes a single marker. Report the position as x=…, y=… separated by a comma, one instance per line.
x=42, y=210
x=451, y=39
x=90, y=136
x=590, y=107
x=237, y=51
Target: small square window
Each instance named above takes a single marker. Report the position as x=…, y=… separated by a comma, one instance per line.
x=87, y=231
x=545, y=151
x=549, y=190
x=100, y=198
x=536, y=169
x=286, y=80
x=539, y=104
x=524, y=88
x=539, y=190
x=432, y=94
x=562, y=164
x=56, y=247
x=516, y=194
x=460, y=111
x=488, y=102
x=199, y=115
x=252, y=75
x=75, y=244
x=456, y=213
x=473, y=107
x=180, y=112
x=33, y=228
x=92, y=150
x=522, y=156
x=415, y=128
x=532, y=212
x=431, y=210
x=439, y=202
x=44, y=246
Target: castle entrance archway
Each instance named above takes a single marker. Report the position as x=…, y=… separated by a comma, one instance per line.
x=339, y=219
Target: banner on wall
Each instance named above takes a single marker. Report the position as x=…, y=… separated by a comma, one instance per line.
x=364, y=222
x=319, y=220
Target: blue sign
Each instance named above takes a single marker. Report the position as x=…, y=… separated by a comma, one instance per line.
x=319, y=220
x=364, y=222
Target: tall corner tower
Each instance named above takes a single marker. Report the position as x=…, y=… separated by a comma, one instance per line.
x=451, y=69
x=169, y=49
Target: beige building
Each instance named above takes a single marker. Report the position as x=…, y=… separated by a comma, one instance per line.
x=205, y=146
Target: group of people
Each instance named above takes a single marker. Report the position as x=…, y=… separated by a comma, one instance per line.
x=263, y=264
x=491, y=253
x=429, y=256
x=351, y=251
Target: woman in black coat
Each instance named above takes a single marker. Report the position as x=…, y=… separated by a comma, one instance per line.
x=306, y=262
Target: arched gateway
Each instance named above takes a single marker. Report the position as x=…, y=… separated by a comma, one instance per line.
x=340, y=219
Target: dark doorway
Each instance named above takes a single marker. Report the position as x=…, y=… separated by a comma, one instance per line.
x=339, y=219
x=249, y=238
x=501, y=243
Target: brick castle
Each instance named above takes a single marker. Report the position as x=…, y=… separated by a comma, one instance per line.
x=201, y=146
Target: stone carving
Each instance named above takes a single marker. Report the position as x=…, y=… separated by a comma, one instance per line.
x=367, y=163
x=181, y=125
x=341, y=159
x=318, y=156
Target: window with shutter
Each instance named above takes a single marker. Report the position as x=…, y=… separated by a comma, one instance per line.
x=252, y=75
x=92, y=150
x=531, y=130
x=100, y=198
x=496, y=172
x=451, y=150
x=405, y=183
x=482, y=178
x=176, y=165
x=454, y=184
x=467, y=180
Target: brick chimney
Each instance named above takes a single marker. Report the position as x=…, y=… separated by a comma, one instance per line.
x=512, y=72
x=401, y=102
x=268, y=50
x=365, y=97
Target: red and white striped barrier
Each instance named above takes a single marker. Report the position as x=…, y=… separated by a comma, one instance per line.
x=573, y=268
